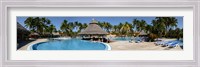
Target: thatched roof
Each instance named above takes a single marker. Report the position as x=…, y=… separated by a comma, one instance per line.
x=20, y=28
x=143, y=33
x=93, y=28
x=34, y=34
x=56, y=33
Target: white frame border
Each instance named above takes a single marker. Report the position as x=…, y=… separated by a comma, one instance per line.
x=5, y=4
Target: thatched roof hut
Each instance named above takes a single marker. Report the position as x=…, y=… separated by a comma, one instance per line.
x=142, y=33
x=20, y=28
x=56, y=33
x=22, y=33
x=93, y=29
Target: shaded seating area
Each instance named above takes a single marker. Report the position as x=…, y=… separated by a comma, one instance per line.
x=97, y=39
x=33, y=36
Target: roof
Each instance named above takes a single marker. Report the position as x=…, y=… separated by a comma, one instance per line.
x=34, y=34
x=21, y=28
x=142, y=33
x=93, y=28
x=56, y=33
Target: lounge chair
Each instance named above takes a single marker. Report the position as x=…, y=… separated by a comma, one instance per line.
x=167, y=43
x=174, y=44
x=131, y=41
x=138, y=41
x=171, y=42
x=160, y=42
x=157, y=43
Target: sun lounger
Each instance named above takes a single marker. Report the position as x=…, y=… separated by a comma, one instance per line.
x=174, y=44
x=131, y=41
x=160, y=42
x=138, y=41
x=167, y=43
x=180, y=44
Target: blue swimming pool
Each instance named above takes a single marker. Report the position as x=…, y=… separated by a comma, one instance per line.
x=70, y=44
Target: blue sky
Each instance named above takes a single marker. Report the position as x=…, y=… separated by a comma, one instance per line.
x=57, y=21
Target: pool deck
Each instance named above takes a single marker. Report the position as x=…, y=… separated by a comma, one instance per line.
x=125, y=45
x=120, y=45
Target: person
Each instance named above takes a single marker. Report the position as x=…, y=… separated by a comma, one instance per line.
x=108, y=40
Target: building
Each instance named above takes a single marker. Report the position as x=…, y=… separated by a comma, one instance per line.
x=93, y=31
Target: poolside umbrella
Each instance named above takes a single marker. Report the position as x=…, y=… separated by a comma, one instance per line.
x=93, y=29
x=142, y=33
x=56, y=34
x=34, y=35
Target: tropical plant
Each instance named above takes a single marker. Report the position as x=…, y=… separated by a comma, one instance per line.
x=37, y=24
x=29, y=23
x=65, y=27
x=84, y=26
x=108, y=26
x=169, y=22
x=136, y=24
x=139, y=25
x=126, y=28
x=51, y=28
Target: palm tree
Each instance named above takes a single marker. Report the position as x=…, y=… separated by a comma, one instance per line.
x=142, y=25
x=162, y=26
x=100, y=24
x=29, y=23
x=115, y=29
x=158, y=28
x=65, y=27
x=104, y=25
x=84, y=26
x=45, y=21
x=148, y=28
x=168, y=22
x=173, y=22
x=76, y=25
x=136, y=24
x=107, y=26
x=51, y=28
x=153, y=31
x=139, y=25
x=80, y=27
x=119, y=26
x=126, y=28
x=37, y=24
x=179, y=33
x=68, y=28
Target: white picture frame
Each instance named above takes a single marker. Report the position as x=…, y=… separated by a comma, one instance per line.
x=4, y=40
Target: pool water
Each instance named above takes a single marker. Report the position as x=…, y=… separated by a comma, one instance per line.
x=70, y=44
